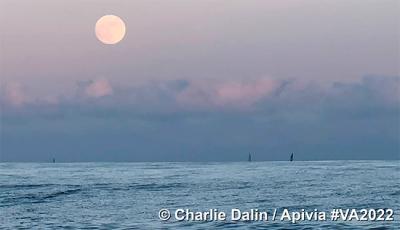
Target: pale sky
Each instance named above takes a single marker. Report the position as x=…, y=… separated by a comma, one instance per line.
x=265, y=67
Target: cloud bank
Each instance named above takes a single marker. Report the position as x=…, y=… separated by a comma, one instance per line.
x=206, y=120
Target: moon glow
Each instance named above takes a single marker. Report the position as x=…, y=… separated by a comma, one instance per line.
x=110, y=29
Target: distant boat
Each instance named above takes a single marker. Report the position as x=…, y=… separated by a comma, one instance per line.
x=54, y=160
x=291, y=157
x=249, y=159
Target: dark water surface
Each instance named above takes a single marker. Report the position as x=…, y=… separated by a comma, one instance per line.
x=129, y=195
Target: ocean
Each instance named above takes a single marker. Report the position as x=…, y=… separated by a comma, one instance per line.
x=130, y=195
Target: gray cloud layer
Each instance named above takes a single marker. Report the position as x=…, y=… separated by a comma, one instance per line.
x=186, y=120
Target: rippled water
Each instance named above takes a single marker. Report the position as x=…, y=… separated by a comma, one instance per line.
x=129, y=195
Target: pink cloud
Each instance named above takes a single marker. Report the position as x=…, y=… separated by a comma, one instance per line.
x=244, y=94
x=238, y=94
x=14, y=94
x=99, y=88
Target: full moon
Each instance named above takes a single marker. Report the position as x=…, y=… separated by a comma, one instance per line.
x=110, y=29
